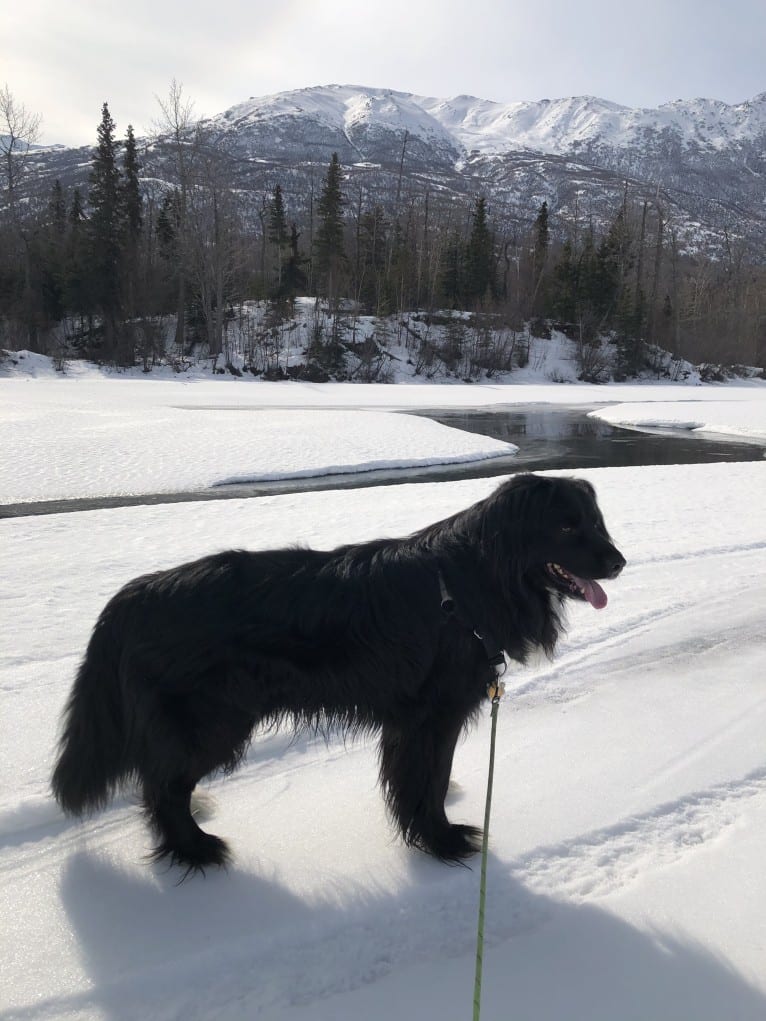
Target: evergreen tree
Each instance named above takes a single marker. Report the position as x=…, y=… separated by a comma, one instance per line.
x=453, y=271
x=77, y=292
x=132, y=203
x=132, y=214
x=329, y=250
x=168, y=231
x=479, y=269
x=540, y=259
x=167, y=225
x=588, y=276
x=57, y=210
x=542, y=237
x=52, y=255
x=277, y=229
x=294, y=280
x=105, y=200
x=564, y=286
x=606, y=276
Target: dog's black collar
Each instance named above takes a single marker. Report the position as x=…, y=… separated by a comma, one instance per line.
x=448, y=603
x=492, y=649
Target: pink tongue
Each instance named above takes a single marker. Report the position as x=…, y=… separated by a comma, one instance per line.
x=593, y=593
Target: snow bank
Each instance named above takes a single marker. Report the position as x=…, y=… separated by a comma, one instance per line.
x=744, y=418
x=70, y=438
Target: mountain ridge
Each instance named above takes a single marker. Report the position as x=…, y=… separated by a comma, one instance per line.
x=551, y=126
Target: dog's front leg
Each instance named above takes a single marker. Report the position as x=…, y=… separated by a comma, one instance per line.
x=415, y=766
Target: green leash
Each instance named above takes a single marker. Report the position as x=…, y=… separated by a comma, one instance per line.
x=495, y=693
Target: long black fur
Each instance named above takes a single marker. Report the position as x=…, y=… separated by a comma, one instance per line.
x=184, y=664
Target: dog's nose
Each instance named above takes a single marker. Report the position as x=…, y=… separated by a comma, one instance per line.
x=615, y=563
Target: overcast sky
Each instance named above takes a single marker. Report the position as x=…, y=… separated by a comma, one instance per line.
x=64, y=58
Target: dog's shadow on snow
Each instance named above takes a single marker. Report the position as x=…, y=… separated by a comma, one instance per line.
x=235, y=944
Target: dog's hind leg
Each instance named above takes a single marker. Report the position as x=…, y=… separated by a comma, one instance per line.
x=179, y=837
x=415, y=766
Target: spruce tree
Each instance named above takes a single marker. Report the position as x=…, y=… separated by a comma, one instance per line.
x=588, y=277
x=479, y=272
x=52, y=255
x=453, y=271
x=277, y=229
x=132, y=203
x=540, y=259
x=564, y=286
x=294, y=280
x=132, y=216
x=329, y=250
x=607, y=275
x=105, y=200
x=77, y=294
x=57, y=210
x=167, y=225
x=542, y=237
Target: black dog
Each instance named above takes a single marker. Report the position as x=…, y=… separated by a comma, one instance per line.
x=184, y=664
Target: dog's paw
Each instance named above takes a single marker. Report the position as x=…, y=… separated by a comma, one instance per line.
x=195, y=855
x=454, y=843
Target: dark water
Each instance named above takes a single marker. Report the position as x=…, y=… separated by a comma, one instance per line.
x=549, y=436
x=556, y=437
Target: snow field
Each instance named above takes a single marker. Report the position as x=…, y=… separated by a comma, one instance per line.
x=626, y=874
x=111, y=441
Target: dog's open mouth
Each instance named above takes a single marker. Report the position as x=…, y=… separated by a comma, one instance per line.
x=581, y=588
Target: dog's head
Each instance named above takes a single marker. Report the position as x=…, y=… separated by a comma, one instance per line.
x=554, y=534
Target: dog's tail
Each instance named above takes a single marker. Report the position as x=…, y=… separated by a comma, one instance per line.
x=91, y=760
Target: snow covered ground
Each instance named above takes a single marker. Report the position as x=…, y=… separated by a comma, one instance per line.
x=626, y=876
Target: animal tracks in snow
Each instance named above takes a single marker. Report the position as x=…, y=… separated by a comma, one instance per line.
x=682, y=614
x=603, y=861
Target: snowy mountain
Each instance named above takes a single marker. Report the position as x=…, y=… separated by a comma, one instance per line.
x=702, y=160
x=360, y=124
x=468, y=124
x=565, y=125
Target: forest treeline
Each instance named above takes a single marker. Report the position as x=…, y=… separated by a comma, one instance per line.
x=106, y=271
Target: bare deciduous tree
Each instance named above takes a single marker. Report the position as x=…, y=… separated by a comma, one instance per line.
x=175, y=128
x=19, y=129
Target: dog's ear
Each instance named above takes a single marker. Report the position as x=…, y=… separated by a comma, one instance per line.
x=531, y=494
x=510, y=512
x=525, y=485
x=586, y=486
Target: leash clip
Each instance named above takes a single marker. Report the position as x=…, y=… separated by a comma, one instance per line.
x=495, y=691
